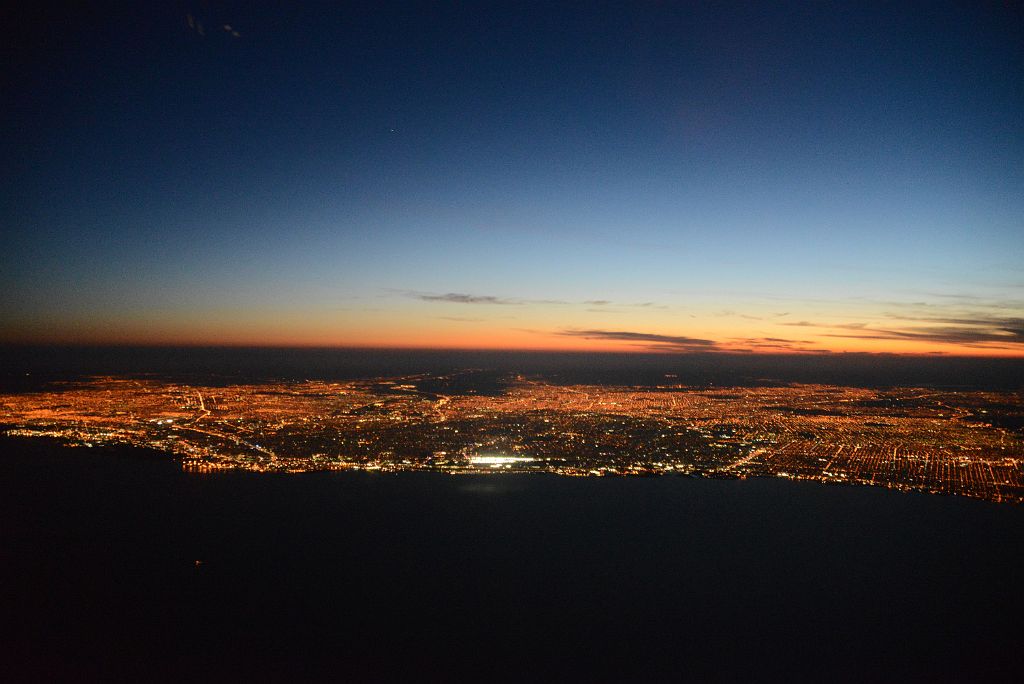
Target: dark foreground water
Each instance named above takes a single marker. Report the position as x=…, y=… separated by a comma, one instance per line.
x=354, y=576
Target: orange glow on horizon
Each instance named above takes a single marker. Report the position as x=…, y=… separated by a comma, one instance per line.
x=502, y=341
x=563, y=327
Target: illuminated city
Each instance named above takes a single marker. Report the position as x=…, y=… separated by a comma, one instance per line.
x=940, y=441
x=491, y=342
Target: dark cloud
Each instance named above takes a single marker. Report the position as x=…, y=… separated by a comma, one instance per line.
x=673, y=342
x=966, y=331
x=603, y=303
x=946, y=335
x=832, y=326
x=466, y=298
x=775, y=343
x=460, y=298
x=1008, y=326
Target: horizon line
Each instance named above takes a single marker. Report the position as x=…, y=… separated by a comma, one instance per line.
x=499, y=350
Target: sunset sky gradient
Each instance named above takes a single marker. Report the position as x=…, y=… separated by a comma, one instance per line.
x=762, y=177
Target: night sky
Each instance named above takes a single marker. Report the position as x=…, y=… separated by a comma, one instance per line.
x=669, y=176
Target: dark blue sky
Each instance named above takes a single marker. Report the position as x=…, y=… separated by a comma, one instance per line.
x=332, y=173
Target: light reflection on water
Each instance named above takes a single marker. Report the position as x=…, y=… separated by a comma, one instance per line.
x=488, y=485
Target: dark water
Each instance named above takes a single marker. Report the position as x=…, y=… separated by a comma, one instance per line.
x=357, y=577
